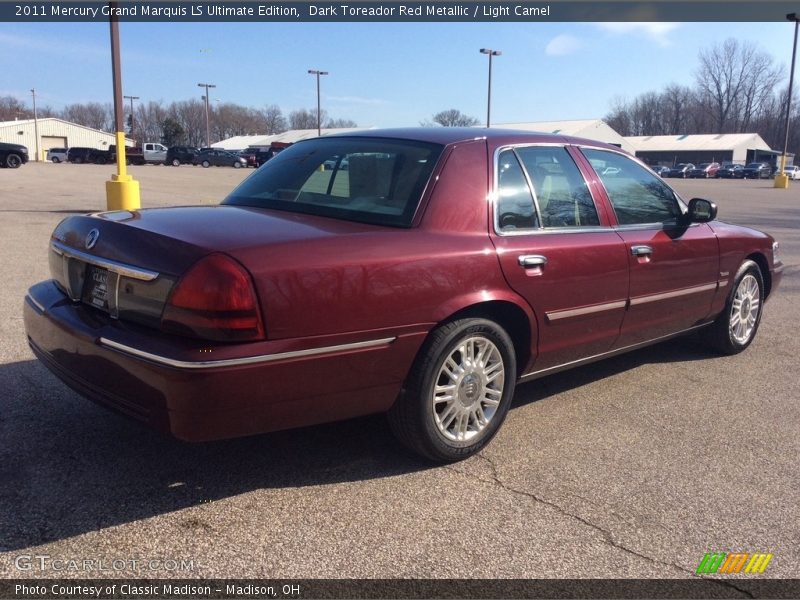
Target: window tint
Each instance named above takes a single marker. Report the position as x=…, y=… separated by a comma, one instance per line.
x=636, y=194
x=371, y=180
x=562, y=195
x=514, y=207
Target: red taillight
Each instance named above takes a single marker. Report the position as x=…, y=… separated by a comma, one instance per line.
x=214, y=300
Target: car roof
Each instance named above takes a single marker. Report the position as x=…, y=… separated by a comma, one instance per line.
x=454, y=135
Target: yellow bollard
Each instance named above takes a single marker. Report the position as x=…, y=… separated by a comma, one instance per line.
x=781, y=181
x=122, y=192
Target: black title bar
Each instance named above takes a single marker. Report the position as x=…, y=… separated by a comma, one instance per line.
x=399, y=11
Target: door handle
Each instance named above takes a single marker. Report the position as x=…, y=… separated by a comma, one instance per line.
x=532, y=260
x=641, y=250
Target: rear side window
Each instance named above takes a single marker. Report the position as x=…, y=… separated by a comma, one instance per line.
x=637, y=195
x=541, y=186
x=370, y=180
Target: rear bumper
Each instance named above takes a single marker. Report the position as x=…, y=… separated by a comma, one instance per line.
x=199, y=393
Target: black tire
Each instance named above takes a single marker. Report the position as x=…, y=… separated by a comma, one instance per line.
x=13, y=161
x=55, y=160
x=723, y=334
x=100, y=161
x=176, y=162
x=206, y=164
x=237, y=165
x=423, y=424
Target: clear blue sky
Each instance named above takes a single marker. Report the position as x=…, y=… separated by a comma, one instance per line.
x=381, y=74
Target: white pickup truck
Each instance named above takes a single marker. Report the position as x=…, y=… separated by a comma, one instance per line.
x=149, y=152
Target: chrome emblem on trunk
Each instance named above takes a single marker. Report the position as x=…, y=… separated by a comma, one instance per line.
x=91, y=238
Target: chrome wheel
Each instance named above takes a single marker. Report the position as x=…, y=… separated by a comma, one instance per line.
x=468, y=389
x=744, y=309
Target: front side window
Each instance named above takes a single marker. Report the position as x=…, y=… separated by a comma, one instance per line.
x=637, y=196
x=370, y=180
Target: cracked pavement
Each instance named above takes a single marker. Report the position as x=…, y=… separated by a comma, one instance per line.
x=634, y=467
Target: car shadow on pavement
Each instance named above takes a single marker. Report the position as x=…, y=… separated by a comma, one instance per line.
x=69, y=467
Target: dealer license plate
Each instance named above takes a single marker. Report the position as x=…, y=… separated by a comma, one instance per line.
x=95, y=287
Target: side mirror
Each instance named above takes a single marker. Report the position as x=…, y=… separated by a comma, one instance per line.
x=701, y=211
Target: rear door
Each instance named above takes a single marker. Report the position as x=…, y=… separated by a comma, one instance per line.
x=558, y=251
x=674, y=268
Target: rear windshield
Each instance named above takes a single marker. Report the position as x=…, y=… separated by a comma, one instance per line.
x=370, y=180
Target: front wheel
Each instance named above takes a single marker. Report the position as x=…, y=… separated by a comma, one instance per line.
x=176, y=162
x=55, y=160
x=736, y=326
x=237, y=165
x=458, y=392
x=206, y=164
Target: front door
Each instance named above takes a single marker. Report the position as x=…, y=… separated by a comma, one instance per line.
x=674, y=268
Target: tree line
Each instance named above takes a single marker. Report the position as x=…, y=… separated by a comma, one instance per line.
x=737, y=89
x=181, y=122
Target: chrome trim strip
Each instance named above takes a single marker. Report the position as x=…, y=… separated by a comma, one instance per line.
x=722, y=283
x=674, y=294
x=586, y=310
x=104, y=263
x=35, y=302
x=610, y=353
x=247, y=360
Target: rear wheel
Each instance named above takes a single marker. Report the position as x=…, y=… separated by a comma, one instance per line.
x=736, y=326
x=176, y=162
x=458, y=392
x=206, y=164
x=55, y=159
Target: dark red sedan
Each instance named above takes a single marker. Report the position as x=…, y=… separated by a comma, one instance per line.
x=419, y=272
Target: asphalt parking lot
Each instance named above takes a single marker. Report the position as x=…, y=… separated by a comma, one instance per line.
x=634, y=467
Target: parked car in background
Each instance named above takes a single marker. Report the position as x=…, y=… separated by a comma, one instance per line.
x=57, y=155
x=83, y=154
x=313, y=295
x=792, y=172
x=265, y=154
x=660, y=170
x=151, y=153
x=219, y=158
x=756, y=171
x=13, y=156
x=249, y=155
x=729, y=171
x=180, y=155
x=705, y=170
x=680, y=170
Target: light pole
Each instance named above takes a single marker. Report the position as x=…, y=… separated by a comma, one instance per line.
x=131, y=98
x=35, y=123
x=781, y=179
x=122, y=191
x=491, y=53
x=319, y=112
x=208, y=129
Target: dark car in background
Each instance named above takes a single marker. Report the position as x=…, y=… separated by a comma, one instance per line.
x=312, y=295
x=13, y=156
x=219, y=158
x=755, y=171
x=83, y=154
x=180, y=155
x=680, y=170
x=660, y=170
x=704, y=171
x=728, y=171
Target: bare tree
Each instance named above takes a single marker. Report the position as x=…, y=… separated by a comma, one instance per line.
x=730, y=72
x=11, y=109
x=272, y=120
x=452, y=118
x=305, y=119
x=90, y=114
x=340, y=123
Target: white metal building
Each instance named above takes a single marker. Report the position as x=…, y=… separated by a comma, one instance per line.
x=591, y=129
x=714, y=147
x=54, y=133
x=240, y=142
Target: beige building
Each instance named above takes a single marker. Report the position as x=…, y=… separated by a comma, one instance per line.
x=591, y=129
x=54, y=133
